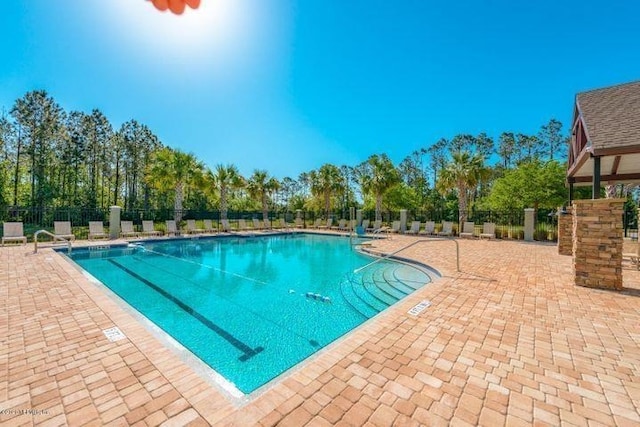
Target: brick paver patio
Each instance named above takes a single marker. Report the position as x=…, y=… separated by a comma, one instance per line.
x=509, y=340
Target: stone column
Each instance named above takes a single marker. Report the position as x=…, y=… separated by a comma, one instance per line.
x=528, y=224
x=597, y=243
x=565, y=232
x=358, y=216
x=403, y=220
x=114, y=222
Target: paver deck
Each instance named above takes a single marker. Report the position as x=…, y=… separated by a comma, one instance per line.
x=508, y=341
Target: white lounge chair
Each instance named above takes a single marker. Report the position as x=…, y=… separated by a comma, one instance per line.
x=429, y=228
x=283, y=224
x=328, y=224
x=447, y=229
x=192, y=228
x=226, y=227
x=96, y=230
x=468, y=230
x=377, y=225
x=172, y=228
x=13, y=232
x=267, y=224
x=297, y=223
x=149, y=230
x=342, y=225
x=126, y=229
x=242, y=225
x=395, y=227
x=257, y=224
x=415, y=227
x=62, y=229
x=317, y=223
x=488, y=230
x=208, y=226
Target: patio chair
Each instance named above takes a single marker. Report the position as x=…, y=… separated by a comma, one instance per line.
x=447, y=229
x=13, y=232
x=96, y=230
x=267, y=224
x=415, y=227
x=283, y=224
x=226, y=227
x=377, y=224
x=317, y=223
x=365, y=224
x=172, y=227
x=297, y=223
x=257, y=224
x=126, y=229
x=208, y=226
x=62, y=229
x=328, y=224
x=488, y=230
x=342, y=225
x=192, y=228
x=149, y=230
x=468, y=230
x=242, y=225
x=429, y=228
x=395, y=227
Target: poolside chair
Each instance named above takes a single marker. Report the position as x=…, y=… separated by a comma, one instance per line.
x=365, y=224
x=468, y=230
x=192, y=228
x=149, y=230
x=429, y=228
x=447, y=229
x=634, y=257
x=208, y=226
x=226, y=227
x=267, y=224
x=488, y=230
x=415, y=227
x=62, y=230
x=317, y=223
x=96, y=230
x=297, y=223
x=126, y=229
x=377, y=224
x=13, y=232
x=257, y=224
x=342, y=225
x=172, y=228
x=328, y=224
x=395, y=227
x=242, y=225
x=283, y=224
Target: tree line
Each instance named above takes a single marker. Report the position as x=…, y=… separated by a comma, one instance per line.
x=56, y=158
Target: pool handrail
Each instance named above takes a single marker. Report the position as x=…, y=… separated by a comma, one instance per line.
x=387, y=256
x=55, y=237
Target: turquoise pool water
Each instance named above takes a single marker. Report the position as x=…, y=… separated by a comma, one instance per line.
x=251, y=307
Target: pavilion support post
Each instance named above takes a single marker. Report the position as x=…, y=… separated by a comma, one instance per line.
x=597, y=243
x=595, y=193
x=565, y=231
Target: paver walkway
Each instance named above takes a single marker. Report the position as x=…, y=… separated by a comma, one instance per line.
x=509, y=340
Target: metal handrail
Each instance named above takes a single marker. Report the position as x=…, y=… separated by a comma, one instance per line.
x=48, y=233
x=357, y=270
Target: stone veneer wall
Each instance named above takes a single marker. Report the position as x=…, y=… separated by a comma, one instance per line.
x=597, y=243
x=565, y=232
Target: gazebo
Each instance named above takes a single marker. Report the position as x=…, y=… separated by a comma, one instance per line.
x=604, y=149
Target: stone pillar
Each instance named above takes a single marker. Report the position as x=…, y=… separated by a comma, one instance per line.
x=403, y=220
x=114, y=222
x=358, y=216
x=565, y=232
x=528, y=224
x=597, y=243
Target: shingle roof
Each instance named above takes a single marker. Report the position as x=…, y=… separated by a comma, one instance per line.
x=611, y=115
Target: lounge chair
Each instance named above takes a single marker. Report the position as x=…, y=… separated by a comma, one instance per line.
x=126, y=229
x=192, y=228
x=488, y=230
x=172, y=228
x=208, y=226
x=468, y=230
x=395, y=227
x=13, y=232
x=377, y=225
x=415, y=227
x=149, y=230
x=96, y=230
x=257, y=224
x=297, y=223
x=226, y=227
x=429, y=228
x=283, y=224
x=62, y=230
x=242, y=225
x=447, y=229
x=267, y=224
x=317, y=223
x=342, y=225
x=634, y=257
x=365, y=224
x=328, y=224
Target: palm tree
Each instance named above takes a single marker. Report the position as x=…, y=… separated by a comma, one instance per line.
x=324, y=182
x=377, y=176
x=226, y=177
x=175, y=170
x=261, y=186
x=463, y=173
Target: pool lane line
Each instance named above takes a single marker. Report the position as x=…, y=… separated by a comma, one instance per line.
x=207, y=266
x=247, y=351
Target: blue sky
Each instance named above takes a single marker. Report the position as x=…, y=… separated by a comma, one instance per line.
x=287, y=86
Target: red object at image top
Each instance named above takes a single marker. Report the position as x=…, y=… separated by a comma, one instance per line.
x=175, y=6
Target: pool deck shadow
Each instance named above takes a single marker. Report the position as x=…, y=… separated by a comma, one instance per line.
x=509, y=340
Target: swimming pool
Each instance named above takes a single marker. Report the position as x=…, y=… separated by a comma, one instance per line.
x=251, y=307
